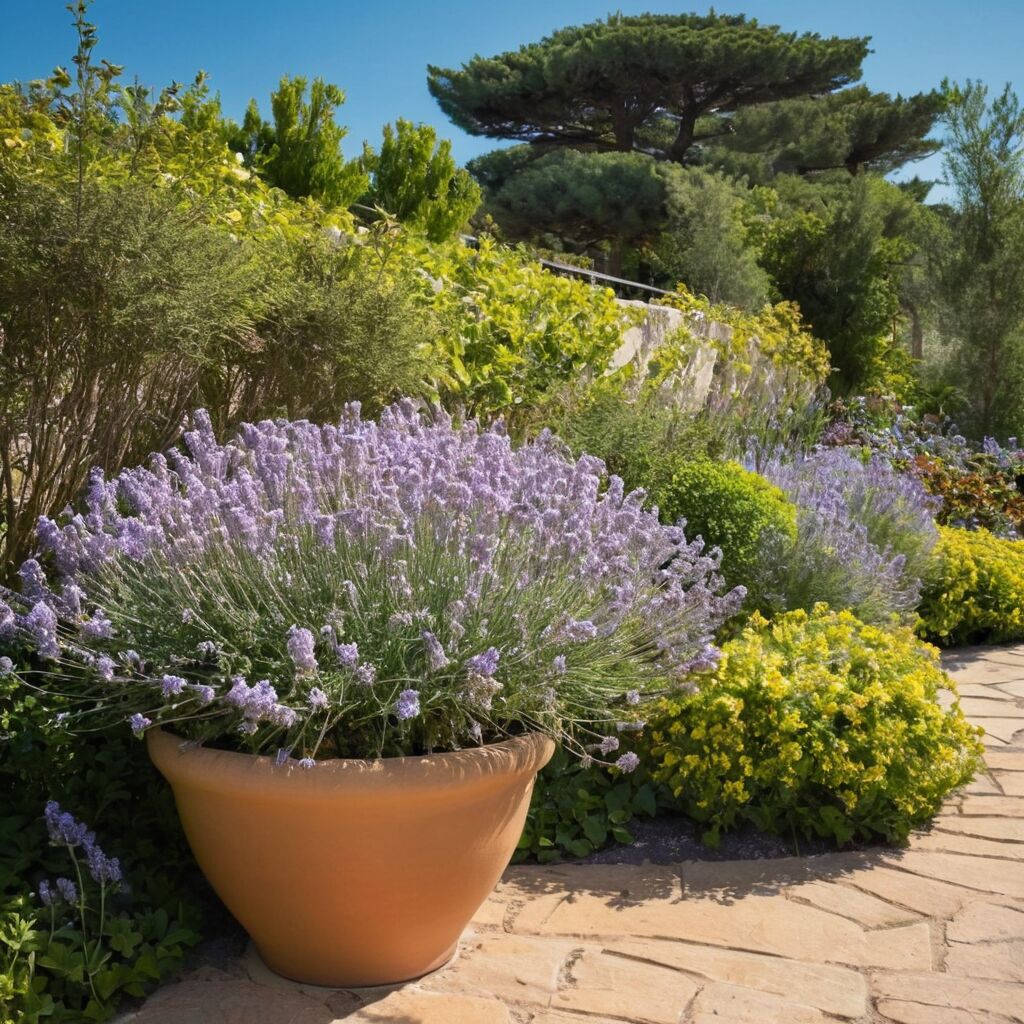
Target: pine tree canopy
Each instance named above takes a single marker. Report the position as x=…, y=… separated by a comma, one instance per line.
x=600, y=85
x=854, y=129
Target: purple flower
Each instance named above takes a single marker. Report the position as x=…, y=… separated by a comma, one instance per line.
x=171, y=686
x=139, y=723
x=436, y=657
x=63, y=828
x=485, y=664
x=301, y=649
x=628, y=762
x=283, y=716
x=307, y=763
x=6, y=666
x=67, y=890
x=461, y=537
x=8, y=622
x=407, y=705
x=257, y=703
x=97, y=626
x=102, y=868
x=633, y=697
x=348, y=655
x=45, y=895
x=207, y=649
x=41, y=625
x=608, y=744
x=577, y=631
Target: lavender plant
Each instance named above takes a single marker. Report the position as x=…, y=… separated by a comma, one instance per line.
x=368, y=589
x=865, y=533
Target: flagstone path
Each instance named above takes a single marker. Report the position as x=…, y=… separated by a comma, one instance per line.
x=930, y=934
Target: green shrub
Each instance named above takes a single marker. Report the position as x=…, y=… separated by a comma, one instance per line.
x=576, y=810
x=641, y=438
x=512, y=331
x=344, y=321
x=731, y=508
x=816, y=724
x=977, y=593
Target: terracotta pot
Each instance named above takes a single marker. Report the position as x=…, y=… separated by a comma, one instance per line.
x=353, y=872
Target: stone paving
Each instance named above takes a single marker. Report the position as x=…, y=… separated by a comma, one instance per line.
x=929, y=934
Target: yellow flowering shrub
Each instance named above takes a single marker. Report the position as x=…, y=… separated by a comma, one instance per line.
x=818, y=724
x=978, y=589
x=779, y=330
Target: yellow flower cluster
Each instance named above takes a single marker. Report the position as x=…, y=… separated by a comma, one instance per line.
x=978, y=592
x=817, y=723
x=778, y=331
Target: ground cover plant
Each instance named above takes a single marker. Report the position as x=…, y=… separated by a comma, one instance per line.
x=51, y=967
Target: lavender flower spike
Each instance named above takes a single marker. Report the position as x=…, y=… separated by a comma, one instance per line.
x=301, y=649
x=408, y=704
x=67, y=890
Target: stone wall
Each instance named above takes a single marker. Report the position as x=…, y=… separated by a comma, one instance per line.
x=639, y=343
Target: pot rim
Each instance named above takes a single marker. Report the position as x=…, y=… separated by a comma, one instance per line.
x=524, y=754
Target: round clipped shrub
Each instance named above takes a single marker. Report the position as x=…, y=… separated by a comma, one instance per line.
x=818, y=724
x=732, y=508
x=978, y=591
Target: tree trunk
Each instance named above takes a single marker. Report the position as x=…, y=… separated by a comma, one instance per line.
x=625, y=130
x=916, y=331
x=616, y=256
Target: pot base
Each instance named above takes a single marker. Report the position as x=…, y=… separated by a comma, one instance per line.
x=260, y=970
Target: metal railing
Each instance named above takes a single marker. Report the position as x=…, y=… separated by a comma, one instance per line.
x=595, y=277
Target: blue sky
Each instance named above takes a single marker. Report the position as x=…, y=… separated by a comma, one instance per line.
x=378, y=51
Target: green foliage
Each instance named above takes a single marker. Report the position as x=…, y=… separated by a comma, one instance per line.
x=414, y=178
x=588, y=198
x=732, y=509
x=819, y=725
x=512, y=332
x=144, y=272
x=108, y=314
x=778, y=331
x=612, y=84
x=853, y=130
x=837, y=249
x=978, y=591
x=300, y=152
x=576, y=810
x=980, y=271
x=703, y=241
x=346, y=321
x=108, y=780
x=640, y=435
